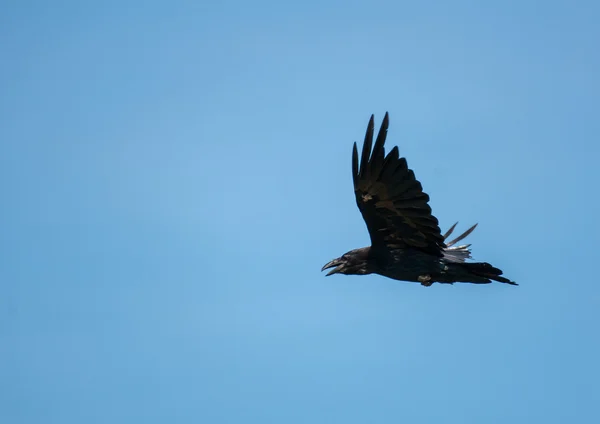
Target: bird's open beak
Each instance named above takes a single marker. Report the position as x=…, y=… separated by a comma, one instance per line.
x=337, y=263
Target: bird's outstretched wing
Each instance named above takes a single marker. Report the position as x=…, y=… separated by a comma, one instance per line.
x=391, y=200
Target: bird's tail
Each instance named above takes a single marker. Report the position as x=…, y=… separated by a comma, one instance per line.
x=476, y=272
x=482, y=273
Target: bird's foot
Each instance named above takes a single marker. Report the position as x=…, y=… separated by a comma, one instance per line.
x=425, y=280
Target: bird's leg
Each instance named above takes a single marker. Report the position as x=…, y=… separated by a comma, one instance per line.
x=425, y=280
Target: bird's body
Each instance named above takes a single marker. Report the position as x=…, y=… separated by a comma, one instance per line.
x=408, y=264
x=401, y=264
x=406, y=242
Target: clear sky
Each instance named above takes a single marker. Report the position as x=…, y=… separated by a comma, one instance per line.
x=173, y=176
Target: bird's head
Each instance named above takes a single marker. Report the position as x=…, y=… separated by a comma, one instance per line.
x=352, y=262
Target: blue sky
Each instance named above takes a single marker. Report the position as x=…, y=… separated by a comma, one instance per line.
x=175, y=174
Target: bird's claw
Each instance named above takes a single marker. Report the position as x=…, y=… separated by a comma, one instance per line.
x=425, y=280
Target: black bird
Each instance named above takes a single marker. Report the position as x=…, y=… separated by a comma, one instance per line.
x=406, y=242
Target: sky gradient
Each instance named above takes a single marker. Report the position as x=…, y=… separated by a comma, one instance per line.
x=173, y=176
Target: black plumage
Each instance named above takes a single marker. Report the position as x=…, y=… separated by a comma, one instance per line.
x=406, y=241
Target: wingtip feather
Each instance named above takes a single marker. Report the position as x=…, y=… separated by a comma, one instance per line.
x=462, y=236
x=367, y=145
x=450, y=230
x=355, y=164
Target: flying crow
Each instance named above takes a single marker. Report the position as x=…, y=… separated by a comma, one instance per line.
x=406, y=242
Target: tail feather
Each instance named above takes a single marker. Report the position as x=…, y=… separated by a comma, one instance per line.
x=477, y=272
x=487, y=271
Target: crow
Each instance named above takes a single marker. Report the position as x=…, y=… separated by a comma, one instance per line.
x=406, y=241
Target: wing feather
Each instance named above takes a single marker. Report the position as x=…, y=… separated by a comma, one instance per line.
x=367, y=144
x=391, y=199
